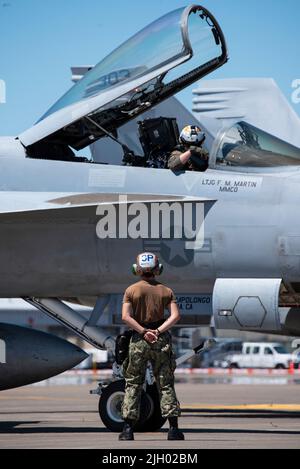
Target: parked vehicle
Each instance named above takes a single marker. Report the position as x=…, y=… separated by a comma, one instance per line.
x=216, y=356
x=262, y=355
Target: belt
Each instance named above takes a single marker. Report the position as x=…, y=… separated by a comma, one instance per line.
x=153, y=325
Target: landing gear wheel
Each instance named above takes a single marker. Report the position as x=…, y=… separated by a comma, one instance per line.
x=110, y=407
x=155, y=421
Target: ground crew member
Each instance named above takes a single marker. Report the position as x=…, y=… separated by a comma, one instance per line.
x=190, y=154
x=143, y=311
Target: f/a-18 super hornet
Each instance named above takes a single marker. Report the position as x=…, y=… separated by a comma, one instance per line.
x=71, y=226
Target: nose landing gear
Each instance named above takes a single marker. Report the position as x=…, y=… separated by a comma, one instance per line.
x=110, y=408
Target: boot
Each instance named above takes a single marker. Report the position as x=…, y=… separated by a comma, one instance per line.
x=174, y=432
x=127, y=433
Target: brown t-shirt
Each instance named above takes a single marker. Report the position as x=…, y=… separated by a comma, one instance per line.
x=149, y=299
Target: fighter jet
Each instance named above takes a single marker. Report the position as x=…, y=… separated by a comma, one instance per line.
x=244, y=253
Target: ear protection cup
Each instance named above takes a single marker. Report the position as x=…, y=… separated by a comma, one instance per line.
x=202, y=138
x=159, y=270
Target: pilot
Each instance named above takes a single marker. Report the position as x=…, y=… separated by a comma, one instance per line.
x=143, y=310
x=190, y=154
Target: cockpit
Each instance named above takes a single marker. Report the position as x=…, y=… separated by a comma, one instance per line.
x=156, y=63
x=245, y=146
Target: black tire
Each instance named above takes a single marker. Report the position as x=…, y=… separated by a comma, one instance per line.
x=234, y=366
x=280, y=367
x=110, y=404
x=155, y=421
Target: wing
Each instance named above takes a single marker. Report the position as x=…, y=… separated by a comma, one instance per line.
x=13, y=203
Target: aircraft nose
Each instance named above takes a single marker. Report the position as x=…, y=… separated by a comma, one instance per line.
x=29, y=356
x=67, y=355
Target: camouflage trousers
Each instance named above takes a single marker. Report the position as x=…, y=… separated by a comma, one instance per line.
x=134, y=368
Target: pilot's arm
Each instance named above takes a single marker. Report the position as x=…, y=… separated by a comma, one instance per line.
x=179, y=160
x=201, y=161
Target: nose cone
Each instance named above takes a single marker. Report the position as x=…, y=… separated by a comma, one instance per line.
x=28, y=356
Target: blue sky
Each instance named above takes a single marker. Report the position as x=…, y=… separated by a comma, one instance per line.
x=41, y=39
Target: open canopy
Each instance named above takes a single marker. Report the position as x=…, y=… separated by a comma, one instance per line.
x=162, y=59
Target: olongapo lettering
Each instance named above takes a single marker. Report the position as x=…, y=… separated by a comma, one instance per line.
x=188, y=303
x=194, y=300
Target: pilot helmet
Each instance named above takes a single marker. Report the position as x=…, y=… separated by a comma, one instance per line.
x=147, y=264
x=192, y=135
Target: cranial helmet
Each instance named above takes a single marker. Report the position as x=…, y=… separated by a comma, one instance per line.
x=147, y=263
x=192, y=135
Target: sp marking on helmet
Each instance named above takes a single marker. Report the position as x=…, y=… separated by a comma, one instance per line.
x=192, y=135
x=147, y=264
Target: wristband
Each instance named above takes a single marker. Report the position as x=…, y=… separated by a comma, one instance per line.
x=158, y=331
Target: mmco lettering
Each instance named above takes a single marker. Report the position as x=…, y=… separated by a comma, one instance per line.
x=2, y=352
x=2, y=92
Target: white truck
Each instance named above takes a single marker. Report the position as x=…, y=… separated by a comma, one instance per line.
x=262, y=355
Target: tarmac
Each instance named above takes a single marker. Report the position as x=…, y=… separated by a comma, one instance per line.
x=214, y=416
